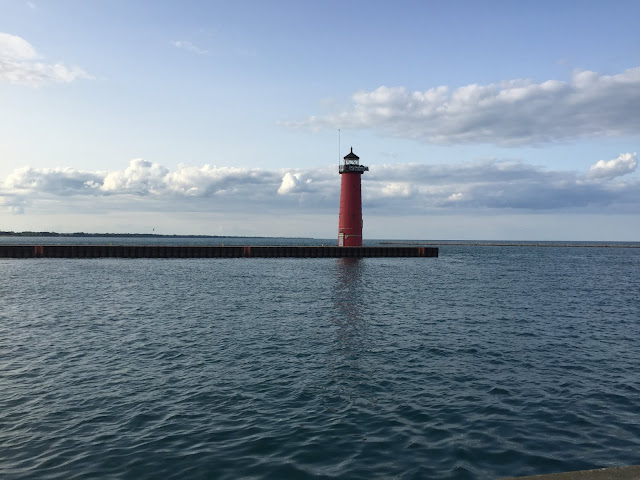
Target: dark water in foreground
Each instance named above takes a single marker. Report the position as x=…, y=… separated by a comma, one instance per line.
x=485, y=362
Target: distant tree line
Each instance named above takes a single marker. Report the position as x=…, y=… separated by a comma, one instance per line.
x=130, y=235
x=83, y=234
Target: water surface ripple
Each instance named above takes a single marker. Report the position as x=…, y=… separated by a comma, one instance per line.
x=482, y=363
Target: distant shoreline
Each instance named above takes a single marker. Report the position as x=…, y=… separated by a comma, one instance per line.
x=516, y=244
x=128, y=235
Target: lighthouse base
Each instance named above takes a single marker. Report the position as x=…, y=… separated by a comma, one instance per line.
x=349, y=240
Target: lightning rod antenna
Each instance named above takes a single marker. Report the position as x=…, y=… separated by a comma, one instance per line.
x=338, y=147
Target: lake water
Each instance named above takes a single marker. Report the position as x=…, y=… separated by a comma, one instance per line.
x=482, y=363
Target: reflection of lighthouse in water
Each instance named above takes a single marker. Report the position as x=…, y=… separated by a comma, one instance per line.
x=350, y=219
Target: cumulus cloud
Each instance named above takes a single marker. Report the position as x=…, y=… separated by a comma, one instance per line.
x=190, y=47
x=513, y=112
x=624, y=164
x=56, y=181
x=20, y=65
x=141, y=178
x=290, y=183
x=495, y=184
x=297, y=183
x=505, y=185
x=16, y=48
x=396, y=189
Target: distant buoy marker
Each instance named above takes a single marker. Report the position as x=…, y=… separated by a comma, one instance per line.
x=350, y=215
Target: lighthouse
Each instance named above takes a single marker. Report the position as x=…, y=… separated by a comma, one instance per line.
x=350, y=218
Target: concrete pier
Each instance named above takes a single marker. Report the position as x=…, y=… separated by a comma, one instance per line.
x=214, y=251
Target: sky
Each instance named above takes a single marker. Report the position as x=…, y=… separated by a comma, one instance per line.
x=496, y=120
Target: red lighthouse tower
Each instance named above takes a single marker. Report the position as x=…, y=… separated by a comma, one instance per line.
x=350, y=220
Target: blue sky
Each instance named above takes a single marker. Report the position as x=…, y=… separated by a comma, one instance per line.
x=478, y=120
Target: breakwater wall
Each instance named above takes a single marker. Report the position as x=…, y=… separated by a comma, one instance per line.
x=214, y=251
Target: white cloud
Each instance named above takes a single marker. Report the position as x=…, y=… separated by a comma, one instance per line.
x=140, y=177
x=56, y=181
x=302, y=181
x=16, y=48
x=396, y=189
x=412, y=189
x=190, y=47
x=290, y=184
x=19, y=65
x=513, y=112
x=624, y=164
